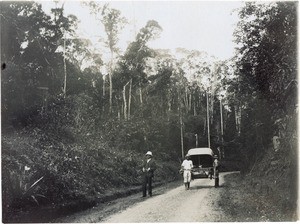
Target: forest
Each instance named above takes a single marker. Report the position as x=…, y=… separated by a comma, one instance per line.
x=75, y=125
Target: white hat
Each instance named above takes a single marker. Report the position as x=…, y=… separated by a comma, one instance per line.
x=149, y=153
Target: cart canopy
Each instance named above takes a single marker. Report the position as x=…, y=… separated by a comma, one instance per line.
x=200, y=151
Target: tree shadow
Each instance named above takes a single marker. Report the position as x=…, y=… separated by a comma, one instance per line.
x=156, y=194
x=204, y=187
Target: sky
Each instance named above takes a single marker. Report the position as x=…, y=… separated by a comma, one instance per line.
x=195, y=25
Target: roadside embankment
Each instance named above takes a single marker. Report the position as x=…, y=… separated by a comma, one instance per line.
x=246, y=201
x=54, y=212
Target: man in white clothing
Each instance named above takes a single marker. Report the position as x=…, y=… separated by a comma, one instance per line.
x=187, y=166
x=216, y=170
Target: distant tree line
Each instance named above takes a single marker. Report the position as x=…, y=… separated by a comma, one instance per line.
x=47, y=62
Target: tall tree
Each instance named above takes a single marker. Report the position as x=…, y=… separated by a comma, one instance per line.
x=113, y=23
x=133, y=64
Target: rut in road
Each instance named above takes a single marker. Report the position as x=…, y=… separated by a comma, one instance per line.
x=198, y=204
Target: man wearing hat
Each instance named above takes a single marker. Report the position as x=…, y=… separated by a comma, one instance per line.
x=149, y=167
x=187, y=166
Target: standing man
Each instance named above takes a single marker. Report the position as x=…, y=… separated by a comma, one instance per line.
x=216, y=170
x=187, y=166
x=149, y=166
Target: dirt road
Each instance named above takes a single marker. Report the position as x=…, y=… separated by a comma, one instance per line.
x=199, y=204
x=177, y=205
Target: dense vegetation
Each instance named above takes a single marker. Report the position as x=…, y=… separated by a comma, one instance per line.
x=267, y=95
x=71, y=130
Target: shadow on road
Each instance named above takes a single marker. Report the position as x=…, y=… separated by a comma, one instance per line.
x=204, y=187
x=156, y=194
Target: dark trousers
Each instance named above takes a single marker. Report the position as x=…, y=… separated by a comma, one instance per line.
x=147, y=181
x=217, y=182
x=217, y=177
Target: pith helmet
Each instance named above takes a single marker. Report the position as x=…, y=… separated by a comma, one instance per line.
x=149, y=153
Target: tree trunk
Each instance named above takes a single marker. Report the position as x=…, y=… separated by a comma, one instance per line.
x=124, y=102
x=141, y=96
x=221, y=116
x=181, y=134
x=239, y=118
x=110, y=81
x=186, y=100
x=222, y=129
x=204, y=127
x=169, y=105
x=195, y=112
x=238, y=113
x=169, y=101
x=110, y=92
x=129, y=99
x=181, y=122
x=103, y=86
x=212, y=107
x=208, y=123
x=65, y=70
x=190, y=101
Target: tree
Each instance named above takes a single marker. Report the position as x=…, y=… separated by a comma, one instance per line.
x=132, y=65
x=113, y=23
x=29, y=46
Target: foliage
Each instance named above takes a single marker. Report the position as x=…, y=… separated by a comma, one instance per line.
x=30, y=51
x=266, y=90
x=267, y=68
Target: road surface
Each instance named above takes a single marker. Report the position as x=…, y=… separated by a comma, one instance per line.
x=177, y=205
x=199, y=204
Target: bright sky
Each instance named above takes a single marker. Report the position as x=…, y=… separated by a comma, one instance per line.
x=194, y=25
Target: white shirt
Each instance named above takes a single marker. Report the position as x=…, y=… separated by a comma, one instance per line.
x=216, y=162
x=187, y=164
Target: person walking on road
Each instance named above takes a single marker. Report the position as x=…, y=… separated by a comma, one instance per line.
x=149, y=166
x=186, y=167
x=216, y=170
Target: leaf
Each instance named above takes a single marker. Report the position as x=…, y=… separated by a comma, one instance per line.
x=33, y=185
